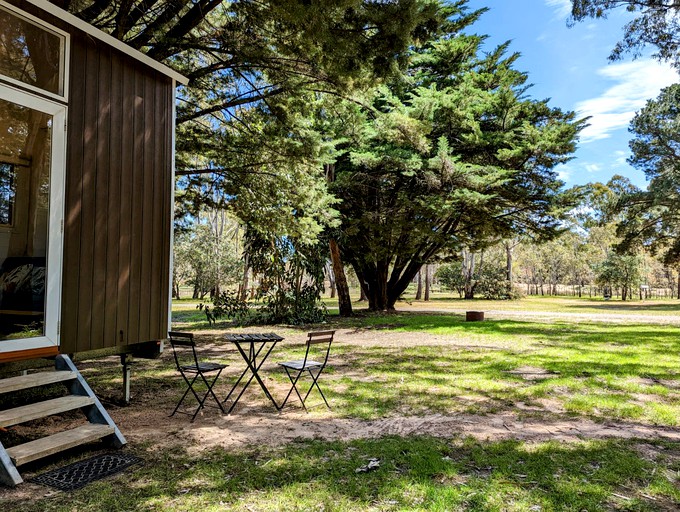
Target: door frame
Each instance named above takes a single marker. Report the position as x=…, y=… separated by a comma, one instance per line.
x=55, y=240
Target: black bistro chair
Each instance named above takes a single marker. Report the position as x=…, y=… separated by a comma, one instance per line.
x=319, y=347
x=192, y=369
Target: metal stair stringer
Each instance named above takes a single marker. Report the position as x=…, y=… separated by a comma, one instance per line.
x=96, y=413
x=9, y=475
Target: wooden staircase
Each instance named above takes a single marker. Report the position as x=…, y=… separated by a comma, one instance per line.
x=99, y=426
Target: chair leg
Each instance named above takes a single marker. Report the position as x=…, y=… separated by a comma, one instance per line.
x=190, y=387
x=316, y=383
x=209, y=391
x=201, y=401
x=293, y=387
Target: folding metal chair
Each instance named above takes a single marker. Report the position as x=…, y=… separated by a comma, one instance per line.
x=318, y=344
x=189, y=366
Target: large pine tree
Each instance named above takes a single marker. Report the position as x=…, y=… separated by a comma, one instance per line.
x=452, y=154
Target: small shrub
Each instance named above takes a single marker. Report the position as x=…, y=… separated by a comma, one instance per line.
x=288, y=307
x=227, y=305
x=494, y=285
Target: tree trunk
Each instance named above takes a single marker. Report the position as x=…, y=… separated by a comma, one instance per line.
x=243, y=292
x=678, y=285
x=331, y=279
x=362, y=297
x=427, y=282
x=344, y=299
x=468, y=274
x=375, y=282
x=508, y=262
x=419, y=290
x=382, y=289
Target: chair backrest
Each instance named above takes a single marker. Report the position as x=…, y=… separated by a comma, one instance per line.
x=319, y=342
x=182, y=339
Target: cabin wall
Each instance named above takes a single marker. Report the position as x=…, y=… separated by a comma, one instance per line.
x=118, y=194
x=118, y=211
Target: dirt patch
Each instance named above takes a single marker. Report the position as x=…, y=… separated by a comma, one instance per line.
x=251, y=427
x=533, y=373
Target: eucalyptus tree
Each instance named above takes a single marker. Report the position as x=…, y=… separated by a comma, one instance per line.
x=206, y=254
x=651, y=217
x=621, y=271
x=455, y=154
x=654, y=22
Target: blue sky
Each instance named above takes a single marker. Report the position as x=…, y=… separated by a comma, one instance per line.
x=570, y=66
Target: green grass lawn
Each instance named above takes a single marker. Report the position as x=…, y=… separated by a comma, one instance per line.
x=413, y=474
x=414, y=364
x=559, y=304
x=599, y=371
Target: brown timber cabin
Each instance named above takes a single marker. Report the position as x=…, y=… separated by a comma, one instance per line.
x=86, y=202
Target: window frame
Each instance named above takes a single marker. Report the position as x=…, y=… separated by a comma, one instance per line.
x=9, y=225
x=64, y=54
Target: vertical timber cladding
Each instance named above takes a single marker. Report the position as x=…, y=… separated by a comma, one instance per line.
x=118, y=193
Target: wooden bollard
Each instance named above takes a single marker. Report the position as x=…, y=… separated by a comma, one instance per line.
x=474, y=316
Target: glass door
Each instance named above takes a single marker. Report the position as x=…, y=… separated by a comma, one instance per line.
x=32, y=156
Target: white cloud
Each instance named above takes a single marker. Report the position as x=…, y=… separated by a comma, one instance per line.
x=562, y=7
x=636, y=82
x=593, y=168
x=564, y=172
x=620, y=158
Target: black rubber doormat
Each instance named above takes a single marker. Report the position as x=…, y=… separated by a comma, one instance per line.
x=79, y=474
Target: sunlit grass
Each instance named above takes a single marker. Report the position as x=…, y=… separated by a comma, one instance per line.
x=416, y=473
x=543, y=304
x=604, y=371
x=596, y=370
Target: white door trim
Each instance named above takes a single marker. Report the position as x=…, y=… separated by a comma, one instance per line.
x=55, y=240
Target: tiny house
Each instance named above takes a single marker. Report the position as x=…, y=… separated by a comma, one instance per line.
x=86, y=181
x=86, y=209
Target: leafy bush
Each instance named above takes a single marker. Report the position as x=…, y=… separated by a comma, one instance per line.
x=490, y=282
x=227, y=305
x=291, y=283
x=451, y=277
x=291, y=306
x=493, y=285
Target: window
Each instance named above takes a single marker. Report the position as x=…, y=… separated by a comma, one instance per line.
x=31, y=54
x=7, y=193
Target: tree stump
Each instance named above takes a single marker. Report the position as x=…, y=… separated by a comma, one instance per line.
x=474, y=316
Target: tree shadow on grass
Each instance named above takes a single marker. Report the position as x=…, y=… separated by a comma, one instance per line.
x=379, y=380
x=413, y=473
x=621, y=306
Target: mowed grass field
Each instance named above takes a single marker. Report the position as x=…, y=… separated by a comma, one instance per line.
x=421, y=365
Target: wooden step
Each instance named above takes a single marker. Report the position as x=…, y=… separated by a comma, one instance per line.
x=34, y=380
x=55, y=443
x=43, y=409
